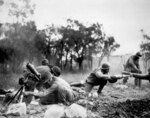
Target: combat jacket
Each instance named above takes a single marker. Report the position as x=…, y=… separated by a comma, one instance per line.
x=94, y=80
x=59, y=92
x=132, y=65
x=45, y=75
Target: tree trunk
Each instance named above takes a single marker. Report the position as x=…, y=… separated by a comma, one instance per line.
x=101, y=58
x=80, y=65
x=71, y=62
x=66, y=61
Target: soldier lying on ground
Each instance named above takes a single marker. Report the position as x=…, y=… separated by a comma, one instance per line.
x=99, y=77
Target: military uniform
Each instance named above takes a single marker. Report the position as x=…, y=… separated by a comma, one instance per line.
x=59, y=92
x=99, y=78
x=45, y=75
x=132, y=66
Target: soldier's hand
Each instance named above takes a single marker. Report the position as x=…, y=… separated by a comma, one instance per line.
x=21, y=81
x=139, y=71
x=26, y=93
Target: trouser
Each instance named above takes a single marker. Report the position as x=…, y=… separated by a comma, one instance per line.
x=57, y=97
x=125, y=80
x=77, y=84
x=137, y=82
x=88, y=87
x=51, y=98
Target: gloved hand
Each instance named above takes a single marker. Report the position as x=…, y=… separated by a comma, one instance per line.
x=21, y=81
x=139, y=71
x=113, y=79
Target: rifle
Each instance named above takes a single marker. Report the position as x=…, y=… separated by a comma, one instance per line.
x=120, y=76
x=127, y=73
x=114, y=78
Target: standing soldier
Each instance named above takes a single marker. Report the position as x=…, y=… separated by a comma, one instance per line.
x=132, y=66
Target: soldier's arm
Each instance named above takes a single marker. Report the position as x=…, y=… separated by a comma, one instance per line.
x=100, y=75
x=119, y=76
x=41, y=93
x=114, y=78
x=141, y=76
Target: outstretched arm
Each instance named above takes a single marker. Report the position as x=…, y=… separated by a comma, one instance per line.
x=141, y=76
x=101, y=75
x=114, y=78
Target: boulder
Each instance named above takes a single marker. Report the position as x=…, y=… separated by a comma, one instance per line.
x=62, y=111
x=75, y=111
x=17, y=109
x=55, y=111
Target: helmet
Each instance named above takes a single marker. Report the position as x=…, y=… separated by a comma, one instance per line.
x=138, y=54
x=56, y=70
x=105, y=66
x=148, y=70
x=45, y=62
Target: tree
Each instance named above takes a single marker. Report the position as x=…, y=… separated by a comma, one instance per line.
x=109, y=45
x=81, y=41
x=21, y=9
x=21, y=43
x=145, y=47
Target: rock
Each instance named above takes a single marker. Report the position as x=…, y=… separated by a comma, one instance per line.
x=55, y=111
x=32, y=112
x=75, y=111
x=95, y=95
x=121, y=86
x=34, y=103
x=17, y=109
x=59, y=111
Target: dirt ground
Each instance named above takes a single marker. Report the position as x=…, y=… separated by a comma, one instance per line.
x=115, y=102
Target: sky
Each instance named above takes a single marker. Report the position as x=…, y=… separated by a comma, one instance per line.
x=122, y=19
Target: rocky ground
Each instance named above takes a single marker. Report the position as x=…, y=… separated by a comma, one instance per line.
x=115, y=102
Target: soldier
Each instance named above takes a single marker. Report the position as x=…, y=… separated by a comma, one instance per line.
x=46, y=74
x=34, y=78
x=132, y=66
x=100, y=77
x=58, y=92
x=45, y=62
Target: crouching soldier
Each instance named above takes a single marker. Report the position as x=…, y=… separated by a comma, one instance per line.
x=58, y=92
x=99, y=77
x=32, y=78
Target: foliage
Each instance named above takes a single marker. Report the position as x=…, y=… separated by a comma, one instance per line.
x=63, y=46
x=145, y=47
x=17, y=46
x=21, y=9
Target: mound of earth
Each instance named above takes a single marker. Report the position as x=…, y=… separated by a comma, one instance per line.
x=128, y=109
x=113, y=103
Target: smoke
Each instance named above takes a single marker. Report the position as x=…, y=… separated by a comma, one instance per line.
x=1, y=2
